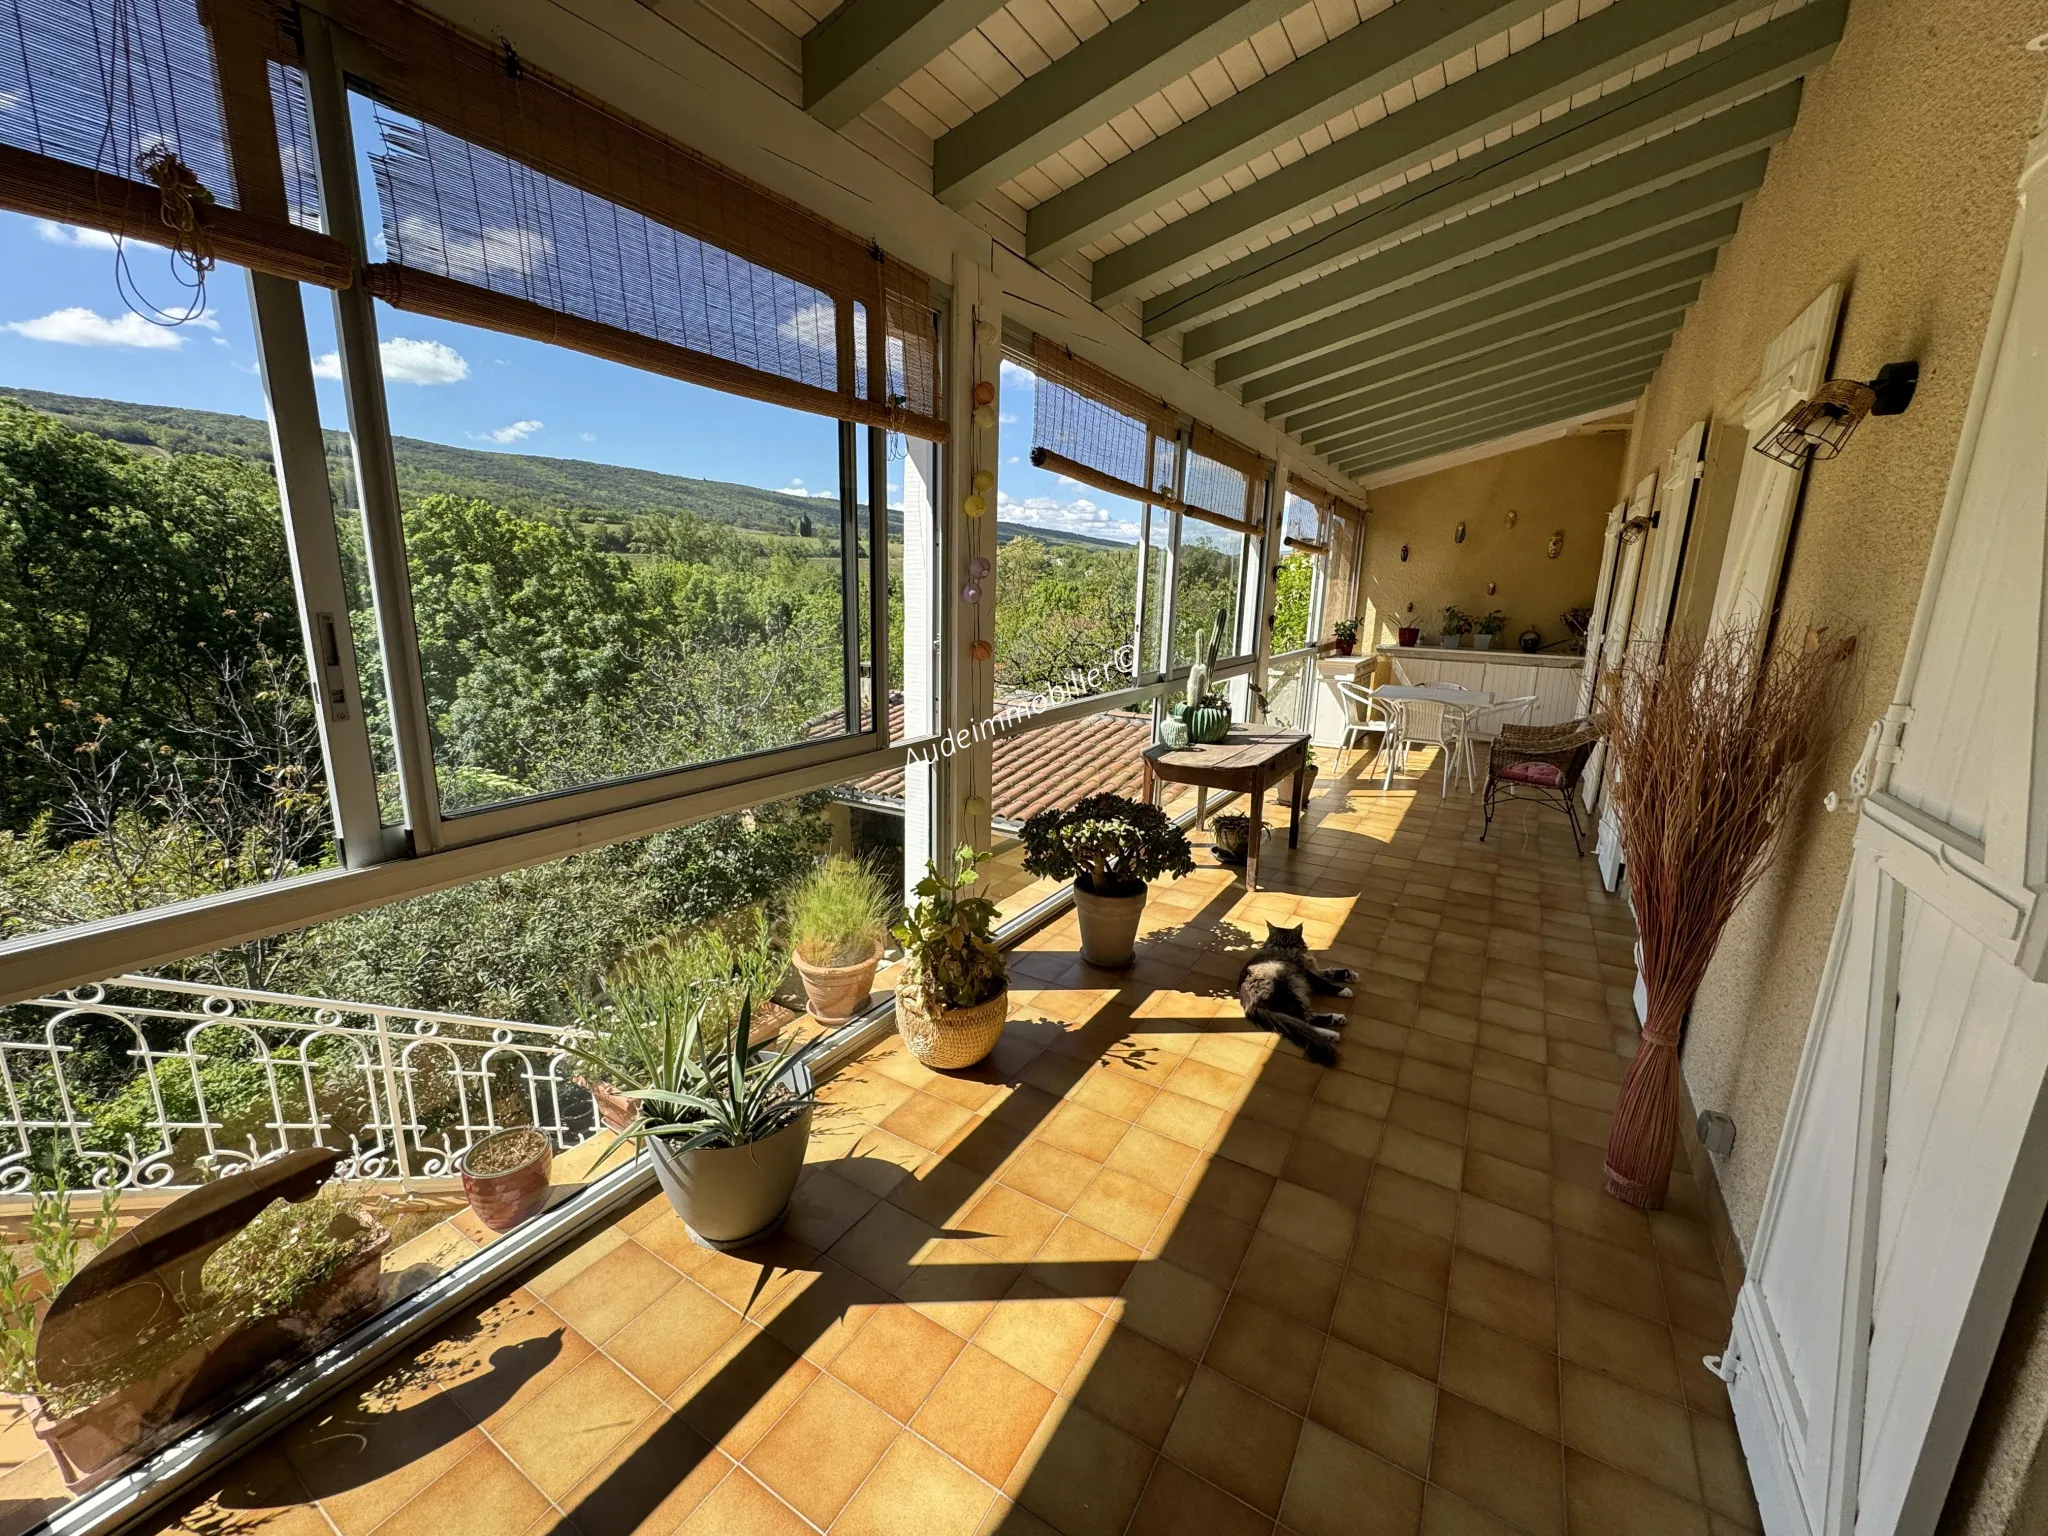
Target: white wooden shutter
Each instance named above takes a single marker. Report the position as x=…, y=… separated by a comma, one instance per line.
x=1795, y=365
x=1913, y=1168
x=1614, y=644
x=1603, y=594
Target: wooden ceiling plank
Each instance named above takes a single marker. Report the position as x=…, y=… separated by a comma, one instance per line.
x=1365, y=61
x=1544, y=76
x=1562, y=409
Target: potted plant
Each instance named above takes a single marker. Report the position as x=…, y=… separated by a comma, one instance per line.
x=1344, y=636
x=955, y=993
x=1485, y=627
x=505, y=1176
x=1455, y=624
x=1208, y=711
x=1109, y=847
x=725, y=1119
x=1233, y=836
x=1308, y=774
x=838, y=915
x=1409, y=634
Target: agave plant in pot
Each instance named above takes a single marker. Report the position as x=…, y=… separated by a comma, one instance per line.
x=725, y=1118
x=1208, y=711
x=955, y=992
x=838, y=915
x=1110, y=847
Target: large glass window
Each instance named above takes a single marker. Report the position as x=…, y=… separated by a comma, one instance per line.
x=158, y=733
x=1294, y=578
x=1206, y=582
x=1066, y=567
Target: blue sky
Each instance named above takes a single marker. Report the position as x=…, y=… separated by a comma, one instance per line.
x=65, y=328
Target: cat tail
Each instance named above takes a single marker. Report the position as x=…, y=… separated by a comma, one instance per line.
x=1319, y=1045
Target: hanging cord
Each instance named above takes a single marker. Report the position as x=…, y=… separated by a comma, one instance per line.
x=184, y=199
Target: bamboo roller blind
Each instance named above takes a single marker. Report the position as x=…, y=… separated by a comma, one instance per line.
x=510, y=200
x=92, y=87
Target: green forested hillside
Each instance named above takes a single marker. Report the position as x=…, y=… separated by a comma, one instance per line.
x=531, y=484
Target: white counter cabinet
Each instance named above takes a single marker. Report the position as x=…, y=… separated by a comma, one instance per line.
x=1551, y=679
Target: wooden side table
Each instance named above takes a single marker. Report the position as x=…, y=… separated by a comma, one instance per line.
x=1247, y=761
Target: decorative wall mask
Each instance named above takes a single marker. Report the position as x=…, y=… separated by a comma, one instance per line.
x=1492, y=587
x=1459, y=536
x=1513, y=517
x=1556, y=544
x=1404, y=553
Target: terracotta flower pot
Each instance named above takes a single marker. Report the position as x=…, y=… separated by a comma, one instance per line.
x=835, y=993
x=729, y=1197
x=615, y=1110
x=503, y=1197
x=1109, y=926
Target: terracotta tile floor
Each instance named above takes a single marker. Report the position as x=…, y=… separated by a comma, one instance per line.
x=1142, y=1272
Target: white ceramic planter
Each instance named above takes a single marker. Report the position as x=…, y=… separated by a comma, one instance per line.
x=1109, y=926
x=731, y=1196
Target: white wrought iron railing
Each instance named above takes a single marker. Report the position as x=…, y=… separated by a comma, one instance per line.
x=147, y=1083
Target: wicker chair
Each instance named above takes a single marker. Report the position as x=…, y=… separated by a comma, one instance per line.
x=1543, y=763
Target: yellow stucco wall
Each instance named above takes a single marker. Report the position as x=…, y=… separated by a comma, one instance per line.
x=1565, y=485
x=1897, y=182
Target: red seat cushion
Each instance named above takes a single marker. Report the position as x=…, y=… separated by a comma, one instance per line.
x=1549, y=775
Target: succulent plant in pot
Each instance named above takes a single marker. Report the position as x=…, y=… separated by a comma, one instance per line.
x=1485, y=626
x=1208, y=711
x=955, y=993
x=1110, y=847
x=838, y=915
x=1233, y=834
x=725, y=1118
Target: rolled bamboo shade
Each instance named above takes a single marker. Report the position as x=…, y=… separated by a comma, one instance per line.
x=496, y=176
x=1123, y=440
x=93, y=87
x=1224, y=478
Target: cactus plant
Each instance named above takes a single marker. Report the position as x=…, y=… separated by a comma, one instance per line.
x=1206, y=648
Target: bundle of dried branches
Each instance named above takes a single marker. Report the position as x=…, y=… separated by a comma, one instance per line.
x=1708, y=747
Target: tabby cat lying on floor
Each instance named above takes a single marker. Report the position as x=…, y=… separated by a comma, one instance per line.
x=1275, y=987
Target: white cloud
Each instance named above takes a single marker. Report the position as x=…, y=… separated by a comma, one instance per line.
x=1006, y=419
x=588, y=437
x=518, y=432
x=406, y=361
x=796, y=488
x=82, y=327
x=815, y=325
x=1015, y=373
x=1077, y=516
x=71, y=234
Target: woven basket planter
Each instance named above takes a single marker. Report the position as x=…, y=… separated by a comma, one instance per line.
x=955, y=1037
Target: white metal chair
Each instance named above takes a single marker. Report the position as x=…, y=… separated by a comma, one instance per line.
x=1483, y=724
x=1364, y=714
x=1423, y=723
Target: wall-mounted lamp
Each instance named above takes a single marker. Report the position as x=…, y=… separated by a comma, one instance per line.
x=1818, y=428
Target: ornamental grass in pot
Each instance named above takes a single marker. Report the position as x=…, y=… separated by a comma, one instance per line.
x=1708, y=749
x=955, y=993
x=725, y=1118
x=1110, y=847
x=838, y=915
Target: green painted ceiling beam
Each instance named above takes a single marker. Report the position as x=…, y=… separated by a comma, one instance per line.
x=1511, y=343
x=1723, y=189
x=1553, y=373
x=1561, y=408
x=1524, y=353
x=1518, y=394
x=866, y=48
x=1352, y=68
x=1770, y=57
x=1141, y=52
x=1498, y=300
x=1581, y=55
x=1570, y=204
